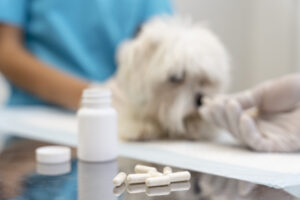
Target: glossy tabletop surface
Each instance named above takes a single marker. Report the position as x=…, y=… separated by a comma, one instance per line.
x=22, y=178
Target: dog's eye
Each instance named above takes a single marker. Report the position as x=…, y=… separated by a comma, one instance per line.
x=177, y=78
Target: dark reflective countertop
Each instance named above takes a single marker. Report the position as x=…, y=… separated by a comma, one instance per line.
x=21, y=178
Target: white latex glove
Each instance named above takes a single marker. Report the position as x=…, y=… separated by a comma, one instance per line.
x=275, y=123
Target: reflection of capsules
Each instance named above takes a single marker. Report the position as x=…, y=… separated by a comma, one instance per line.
x=53, y=169
x=119, y=190
x=136, y=188
x=153, y=191
x=180, y=186
x=158, y=191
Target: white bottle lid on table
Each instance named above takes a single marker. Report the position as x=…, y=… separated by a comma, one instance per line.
x=53, y=154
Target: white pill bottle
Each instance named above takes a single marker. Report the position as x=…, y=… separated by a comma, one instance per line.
x=97, y=127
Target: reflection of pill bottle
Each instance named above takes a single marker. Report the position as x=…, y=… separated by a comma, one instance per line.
x=97, y=127
x=95, y=180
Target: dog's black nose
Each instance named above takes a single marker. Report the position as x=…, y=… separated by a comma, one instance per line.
x=198, y=99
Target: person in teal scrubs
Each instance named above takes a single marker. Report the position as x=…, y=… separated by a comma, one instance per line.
x=50, y=50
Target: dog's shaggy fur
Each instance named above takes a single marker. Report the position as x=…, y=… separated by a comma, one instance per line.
x=164, y=73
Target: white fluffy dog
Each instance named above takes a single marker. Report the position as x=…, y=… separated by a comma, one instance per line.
x=164, y=73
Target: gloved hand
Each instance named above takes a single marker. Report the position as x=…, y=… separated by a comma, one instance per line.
x=266, y=118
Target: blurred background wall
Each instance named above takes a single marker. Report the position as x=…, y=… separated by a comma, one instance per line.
x=261, y=36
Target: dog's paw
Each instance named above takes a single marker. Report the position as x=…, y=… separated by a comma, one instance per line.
x=199, y=129
x=140, y=130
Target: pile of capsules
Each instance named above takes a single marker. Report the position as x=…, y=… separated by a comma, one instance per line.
x=151, y=177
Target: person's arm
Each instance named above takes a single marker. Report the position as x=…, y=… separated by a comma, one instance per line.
x=34, y=76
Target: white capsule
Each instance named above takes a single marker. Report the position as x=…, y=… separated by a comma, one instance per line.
x=144, y=169
x=179, y=176
x=119, y=179
x=155, y=174
x=157, y=181
x=137, y=178
x=167, y=170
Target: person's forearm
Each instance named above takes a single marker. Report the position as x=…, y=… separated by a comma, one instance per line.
x=34, y=76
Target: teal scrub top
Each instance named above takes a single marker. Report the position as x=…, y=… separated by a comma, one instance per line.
x=76, y=36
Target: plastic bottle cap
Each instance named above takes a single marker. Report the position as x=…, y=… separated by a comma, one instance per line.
x=53, y=154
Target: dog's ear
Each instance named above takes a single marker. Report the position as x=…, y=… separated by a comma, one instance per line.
x=133, y=58
x=137, y=51
x=124, y=53
x=148, y=47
